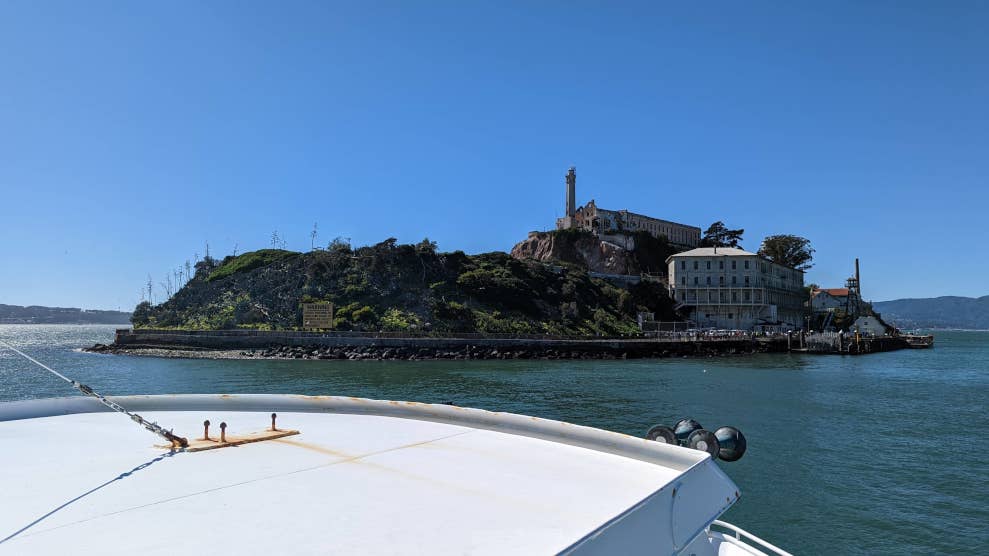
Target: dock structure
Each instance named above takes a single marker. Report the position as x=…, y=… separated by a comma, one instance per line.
x=843, y=344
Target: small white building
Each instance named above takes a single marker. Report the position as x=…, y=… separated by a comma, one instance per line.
x=727, y=287
x=829, y=299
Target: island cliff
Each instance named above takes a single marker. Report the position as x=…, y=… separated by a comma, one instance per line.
x=630, y=253
x=394, y=287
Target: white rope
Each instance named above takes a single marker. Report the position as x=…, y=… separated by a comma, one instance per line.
x=153, y=427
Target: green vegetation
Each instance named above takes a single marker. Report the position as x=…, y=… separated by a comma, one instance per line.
x=572, y=235
x=788, y=250
x=651, y=252
x=249, y=261
x=395, y=287
x=719, y=235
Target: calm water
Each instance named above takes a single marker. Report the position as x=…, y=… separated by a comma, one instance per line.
x=875, y=454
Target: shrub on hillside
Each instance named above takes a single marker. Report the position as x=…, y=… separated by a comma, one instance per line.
x=249, y=261
x=397, y=320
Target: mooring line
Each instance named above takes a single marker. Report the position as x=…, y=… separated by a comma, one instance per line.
x=176, y=441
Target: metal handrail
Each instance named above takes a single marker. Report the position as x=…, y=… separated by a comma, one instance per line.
x=739, y=533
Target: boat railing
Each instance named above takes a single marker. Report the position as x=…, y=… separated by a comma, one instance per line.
x=743, y=537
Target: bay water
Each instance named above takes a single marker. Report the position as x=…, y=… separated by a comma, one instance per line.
x=875, y=454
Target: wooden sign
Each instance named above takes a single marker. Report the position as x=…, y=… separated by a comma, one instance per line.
x=317, y=315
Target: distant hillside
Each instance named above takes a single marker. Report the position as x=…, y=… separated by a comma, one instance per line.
x=33, y=314
x=937, y=312
x=389, y=286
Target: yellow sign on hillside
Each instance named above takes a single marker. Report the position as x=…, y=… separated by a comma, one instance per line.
x=317, y=315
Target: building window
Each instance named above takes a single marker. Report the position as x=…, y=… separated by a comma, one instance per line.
x=733, y=264
x=695, y=280
x=683, y=265
x=695, y=265
x=734, y=297
x=721, y=265
x=709, y=265
x=747, y=295
x=746, y=280
x=746, y=265
x=734, y=280
x=708, y=280
x=683, y=281
x=721, y=280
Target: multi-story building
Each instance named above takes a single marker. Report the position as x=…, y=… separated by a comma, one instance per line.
x=726, y=287
x=612, y=223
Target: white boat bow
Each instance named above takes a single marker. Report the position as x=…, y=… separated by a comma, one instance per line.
x=363, y=476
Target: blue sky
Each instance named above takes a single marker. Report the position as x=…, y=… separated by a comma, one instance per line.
x=131, y=133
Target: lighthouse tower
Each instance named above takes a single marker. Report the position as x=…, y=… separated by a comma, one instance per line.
x=568, y=220
x=571, y=192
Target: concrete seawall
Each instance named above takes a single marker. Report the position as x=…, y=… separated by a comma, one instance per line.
x=344, y=345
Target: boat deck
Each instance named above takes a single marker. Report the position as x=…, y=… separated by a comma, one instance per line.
x=348, y=483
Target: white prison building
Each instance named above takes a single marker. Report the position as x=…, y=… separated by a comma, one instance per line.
x=731, y=288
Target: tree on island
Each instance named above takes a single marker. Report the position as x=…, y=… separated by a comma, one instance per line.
x=788, y=250
x=718, y=235
x=426, y=246
x=142, y=314
x=651, y=252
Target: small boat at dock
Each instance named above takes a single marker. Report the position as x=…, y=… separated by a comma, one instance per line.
x=919, y=341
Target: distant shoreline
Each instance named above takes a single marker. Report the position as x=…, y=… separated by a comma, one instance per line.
x=36, y=314
x=75, y=323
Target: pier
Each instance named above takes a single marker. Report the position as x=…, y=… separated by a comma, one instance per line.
x=843, y=344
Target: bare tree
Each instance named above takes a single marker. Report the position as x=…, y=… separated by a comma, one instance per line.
x=277, y=241
x=188, y=270
x=312, y=236
x=167, y=286
x=150, y=286
x=235, y=249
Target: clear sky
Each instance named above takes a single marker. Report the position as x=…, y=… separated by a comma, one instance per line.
x=131, y=133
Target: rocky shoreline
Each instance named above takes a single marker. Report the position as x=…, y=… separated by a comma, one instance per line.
x=385, y=353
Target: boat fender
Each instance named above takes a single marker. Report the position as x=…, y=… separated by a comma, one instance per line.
x=704, y=441
x=732, y=443
x=662, y=433
x=684, y=428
